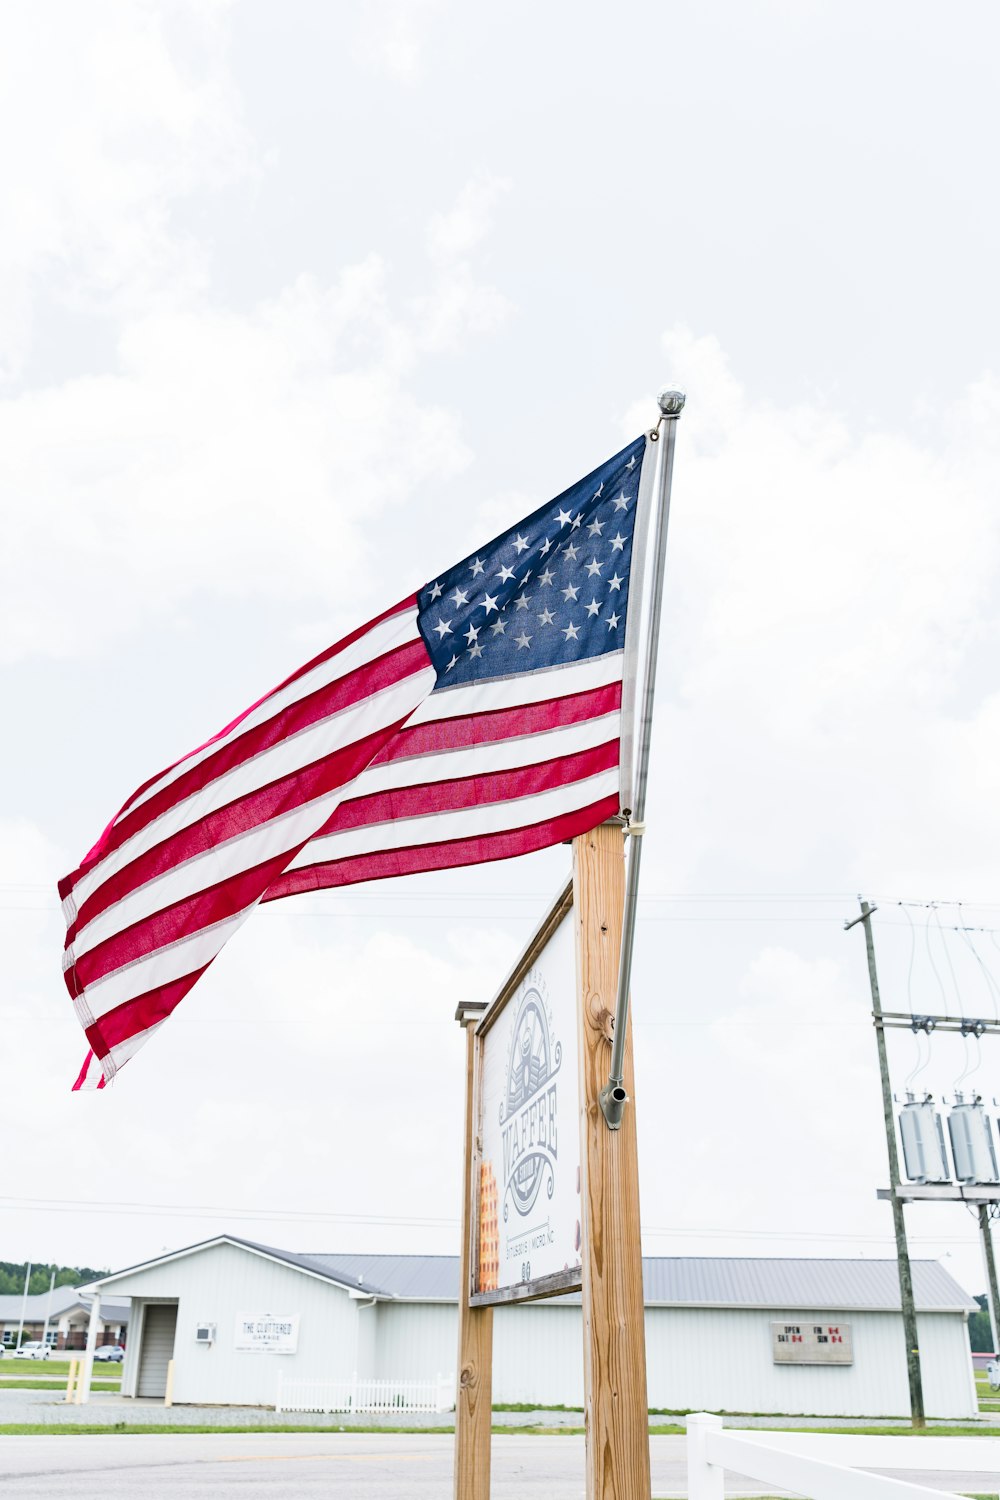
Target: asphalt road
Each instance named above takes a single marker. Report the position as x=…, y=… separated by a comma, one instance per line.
x=337, y=1466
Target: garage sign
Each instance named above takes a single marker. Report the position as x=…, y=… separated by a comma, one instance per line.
x=267, y=1333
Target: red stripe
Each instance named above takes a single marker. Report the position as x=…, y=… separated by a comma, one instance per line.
x=347, y=640
x=133, y=1016
x=182, y=919
x=81, y=1077
x=388, y=863
x=374, y=677
x=247, y=813
x=223, y=899
x=226, y=897
x=502, y=723
x=472, y=791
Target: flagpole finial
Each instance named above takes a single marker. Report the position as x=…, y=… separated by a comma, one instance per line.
x=671, y=403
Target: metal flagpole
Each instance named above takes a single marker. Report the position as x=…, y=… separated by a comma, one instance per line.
x=24, y=1299
x=48, y=1309
x=613, y=1096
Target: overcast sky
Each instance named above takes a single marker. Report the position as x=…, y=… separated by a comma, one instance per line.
x=299, y=304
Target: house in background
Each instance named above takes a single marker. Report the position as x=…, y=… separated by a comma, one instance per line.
x=242, y=1324
x=68, y=1317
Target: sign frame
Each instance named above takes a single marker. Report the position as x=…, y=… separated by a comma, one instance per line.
x=557, y=1283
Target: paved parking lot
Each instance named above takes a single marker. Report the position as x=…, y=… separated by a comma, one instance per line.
x=337, y=1466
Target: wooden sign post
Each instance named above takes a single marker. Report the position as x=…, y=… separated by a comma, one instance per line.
x=536, y=1060
x=474, y=1397
x=614, y=1332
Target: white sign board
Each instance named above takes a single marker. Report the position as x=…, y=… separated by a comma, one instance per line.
x=267, y=1333
x=526, y=1190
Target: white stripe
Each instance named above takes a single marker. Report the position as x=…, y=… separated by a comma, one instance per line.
x=388, y=635
x=161, y=966
x=329, y=735
x=492, y=755
x=222, y=861
x=462, y=823
x=217, y=864
x=120, y=1055
x=515, y=692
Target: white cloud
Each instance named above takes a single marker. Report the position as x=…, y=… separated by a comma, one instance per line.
x=390, y=36
x=831, y=601
x=107, y=126
x=453, y=235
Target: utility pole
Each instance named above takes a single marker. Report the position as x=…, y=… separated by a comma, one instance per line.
x=992, y=1295
x=902, y=1253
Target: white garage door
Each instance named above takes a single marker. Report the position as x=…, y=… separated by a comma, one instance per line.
x=158, y=1328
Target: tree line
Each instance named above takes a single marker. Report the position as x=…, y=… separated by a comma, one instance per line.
x=12, y=1275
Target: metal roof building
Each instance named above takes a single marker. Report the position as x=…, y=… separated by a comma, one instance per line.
x=820, y=1337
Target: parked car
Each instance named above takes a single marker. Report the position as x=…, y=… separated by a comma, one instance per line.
x=34, y=1349
x=110, y=1352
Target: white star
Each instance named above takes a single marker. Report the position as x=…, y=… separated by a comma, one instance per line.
x=435, y=592
x=460, y=597
x=570, y=551
x=595, y=528
x=522, y=601
x=621, y=501
x=546, y=617
x=612, y=622
x=451, y=663
x=617, y=543
x=545, y=579
x=472, y=634
x=476, y=567
x=571, y=633
x=594, y=568
x=520, y=545
x=498, y=627
x=525, y=578
x=489, y=602
x=564, y=518
x=614, y=582
x=505, y=573
x=593, y=608
x=570, y=592
x=476, y=650
x=576, y=522
x=523, y=641
x=631, y=462
x=599, y=491
x=443, y=628
x=545, y=546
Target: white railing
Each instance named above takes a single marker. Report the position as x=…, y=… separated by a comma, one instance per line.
x=827, y=1466
x=383, y=1397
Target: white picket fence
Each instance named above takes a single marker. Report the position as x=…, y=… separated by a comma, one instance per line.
x=382, y=1397
x=827, y=1466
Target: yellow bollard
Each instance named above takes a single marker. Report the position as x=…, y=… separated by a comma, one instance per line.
x=168, y=1394
x=70, y=1379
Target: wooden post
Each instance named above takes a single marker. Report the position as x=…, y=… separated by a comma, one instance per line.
x=614, y=1334
x=474, y=1396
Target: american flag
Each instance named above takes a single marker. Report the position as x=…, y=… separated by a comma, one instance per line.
x=484, y=717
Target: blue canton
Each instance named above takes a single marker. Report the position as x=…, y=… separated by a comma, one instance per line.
x=549, y=592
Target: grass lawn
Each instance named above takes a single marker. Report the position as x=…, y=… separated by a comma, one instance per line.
x=55, y=1385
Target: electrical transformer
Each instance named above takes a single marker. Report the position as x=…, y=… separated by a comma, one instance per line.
x=972, y=1141
x=923, y=1140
